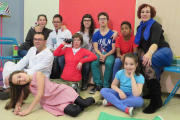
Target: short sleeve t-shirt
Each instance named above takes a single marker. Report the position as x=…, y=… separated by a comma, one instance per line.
x=104, y=42
x=125, y=82
x=125, y=46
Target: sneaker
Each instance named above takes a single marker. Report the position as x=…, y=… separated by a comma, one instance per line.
x=75, y=86
x=96, y=88
x=130, y=111
x=106, y=103
x=4, y=95
x=1, y=89
x=84, y=86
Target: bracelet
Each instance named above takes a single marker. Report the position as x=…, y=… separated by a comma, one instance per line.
x=151, y=51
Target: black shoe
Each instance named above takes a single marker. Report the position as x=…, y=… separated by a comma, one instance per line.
x=147, y=96
x=96, y=88
x=4, y=95
x=153, y=106
x=84, y=86
x=75, y=86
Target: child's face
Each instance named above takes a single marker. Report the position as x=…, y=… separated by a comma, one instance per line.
x=125, y=30
x=20, y=79
x=130, y=65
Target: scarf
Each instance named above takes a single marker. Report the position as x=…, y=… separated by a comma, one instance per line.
x=146, y=34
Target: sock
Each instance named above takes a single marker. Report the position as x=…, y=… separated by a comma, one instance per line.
x=127, y=110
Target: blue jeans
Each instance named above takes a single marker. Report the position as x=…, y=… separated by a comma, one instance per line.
x=86, y=67
x=22, y=53
x=113, y=97
x=117, y=66
x=55, y=73
x=61, y=61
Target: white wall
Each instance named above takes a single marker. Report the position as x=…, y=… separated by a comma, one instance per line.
x=32, y=8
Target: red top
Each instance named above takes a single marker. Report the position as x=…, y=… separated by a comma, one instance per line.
x=125, y=46
x=71, y=61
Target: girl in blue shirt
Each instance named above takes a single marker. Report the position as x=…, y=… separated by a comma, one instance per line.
x=131, y=82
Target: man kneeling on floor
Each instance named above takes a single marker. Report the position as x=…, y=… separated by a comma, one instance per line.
x=38, y=58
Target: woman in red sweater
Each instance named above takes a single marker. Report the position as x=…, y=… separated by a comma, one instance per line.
x=74, y=58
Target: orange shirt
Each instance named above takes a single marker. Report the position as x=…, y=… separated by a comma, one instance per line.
x=125, y=46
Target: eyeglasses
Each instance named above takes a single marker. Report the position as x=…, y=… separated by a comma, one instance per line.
x=102, y=19
x=86, y=20
x=56, y=22
x=38, y=39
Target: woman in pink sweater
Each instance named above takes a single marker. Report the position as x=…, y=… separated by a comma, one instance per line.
x=74, y=58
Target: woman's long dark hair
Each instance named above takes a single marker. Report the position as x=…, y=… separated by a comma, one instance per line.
x=136, y=60
x=16, y=91
x=91, y=29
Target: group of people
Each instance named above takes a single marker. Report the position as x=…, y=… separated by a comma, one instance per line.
x=46, y=53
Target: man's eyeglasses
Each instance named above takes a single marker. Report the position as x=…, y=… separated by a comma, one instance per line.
x=56, y=22
x=38, y=39
x=102, y=19
x=86, y=20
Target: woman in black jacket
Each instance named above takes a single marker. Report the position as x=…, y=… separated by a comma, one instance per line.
x=155, y=54
x=41, y=22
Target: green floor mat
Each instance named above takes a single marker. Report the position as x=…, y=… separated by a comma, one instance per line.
x=105, y=116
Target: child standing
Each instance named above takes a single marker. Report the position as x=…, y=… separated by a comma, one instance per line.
x=131, y=82
x=124, y=44
x=57, y=99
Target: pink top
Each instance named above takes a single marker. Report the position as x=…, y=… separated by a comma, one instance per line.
x=56, y=96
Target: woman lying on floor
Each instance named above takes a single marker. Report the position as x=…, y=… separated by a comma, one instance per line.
x=57, y=99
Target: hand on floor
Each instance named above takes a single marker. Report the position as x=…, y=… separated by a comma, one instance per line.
x=24, y=112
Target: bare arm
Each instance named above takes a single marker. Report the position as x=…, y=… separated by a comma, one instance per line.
x=112, y=51
x=19, y=104
x=95, y=45
x=136, y=87
x=118, y=52
x=135, y=49
x=114, y=86
x=148, y=56
x=40, y=85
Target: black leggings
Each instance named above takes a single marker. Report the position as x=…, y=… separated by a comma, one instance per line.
x=74, y=110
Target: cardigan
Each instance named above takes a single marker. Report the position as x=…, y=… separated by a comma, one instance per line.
x=70, y=73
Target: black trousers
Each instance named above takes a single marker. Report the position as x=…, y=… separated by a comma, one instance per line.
x=80, y=103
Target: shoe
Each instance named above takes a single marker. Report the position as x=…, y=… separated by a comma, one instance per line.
x=96, y=88
x=97, y=96
x=130, y=111
x=106, y=103
x=155, y=96
x=147, y=96
x=4, y=95
x=84, y=86
x=1, y=89
x=75, y=86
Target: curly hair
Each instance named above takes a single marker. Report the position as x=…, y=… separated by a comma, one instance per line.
x=152, y=10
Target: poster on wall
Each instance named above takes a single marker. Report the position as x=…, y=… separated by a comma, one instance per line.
x=72, y=12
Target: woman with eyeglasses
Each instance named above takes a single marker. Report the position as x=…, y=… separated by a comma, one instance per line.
x=41, y=23
x=87, y=30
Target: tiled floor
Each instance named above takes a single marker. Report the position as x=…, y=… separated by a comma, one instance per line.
x=169, y=112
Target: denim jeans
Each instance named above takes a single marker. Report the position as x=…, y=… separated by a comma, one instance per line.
x=117, y=66
x=22, y=53
x=113, y=97
x=55, y=73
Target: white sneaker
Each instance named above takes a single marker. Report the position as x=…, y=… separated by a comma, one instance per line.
x=131, y=111
x=106, y=103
